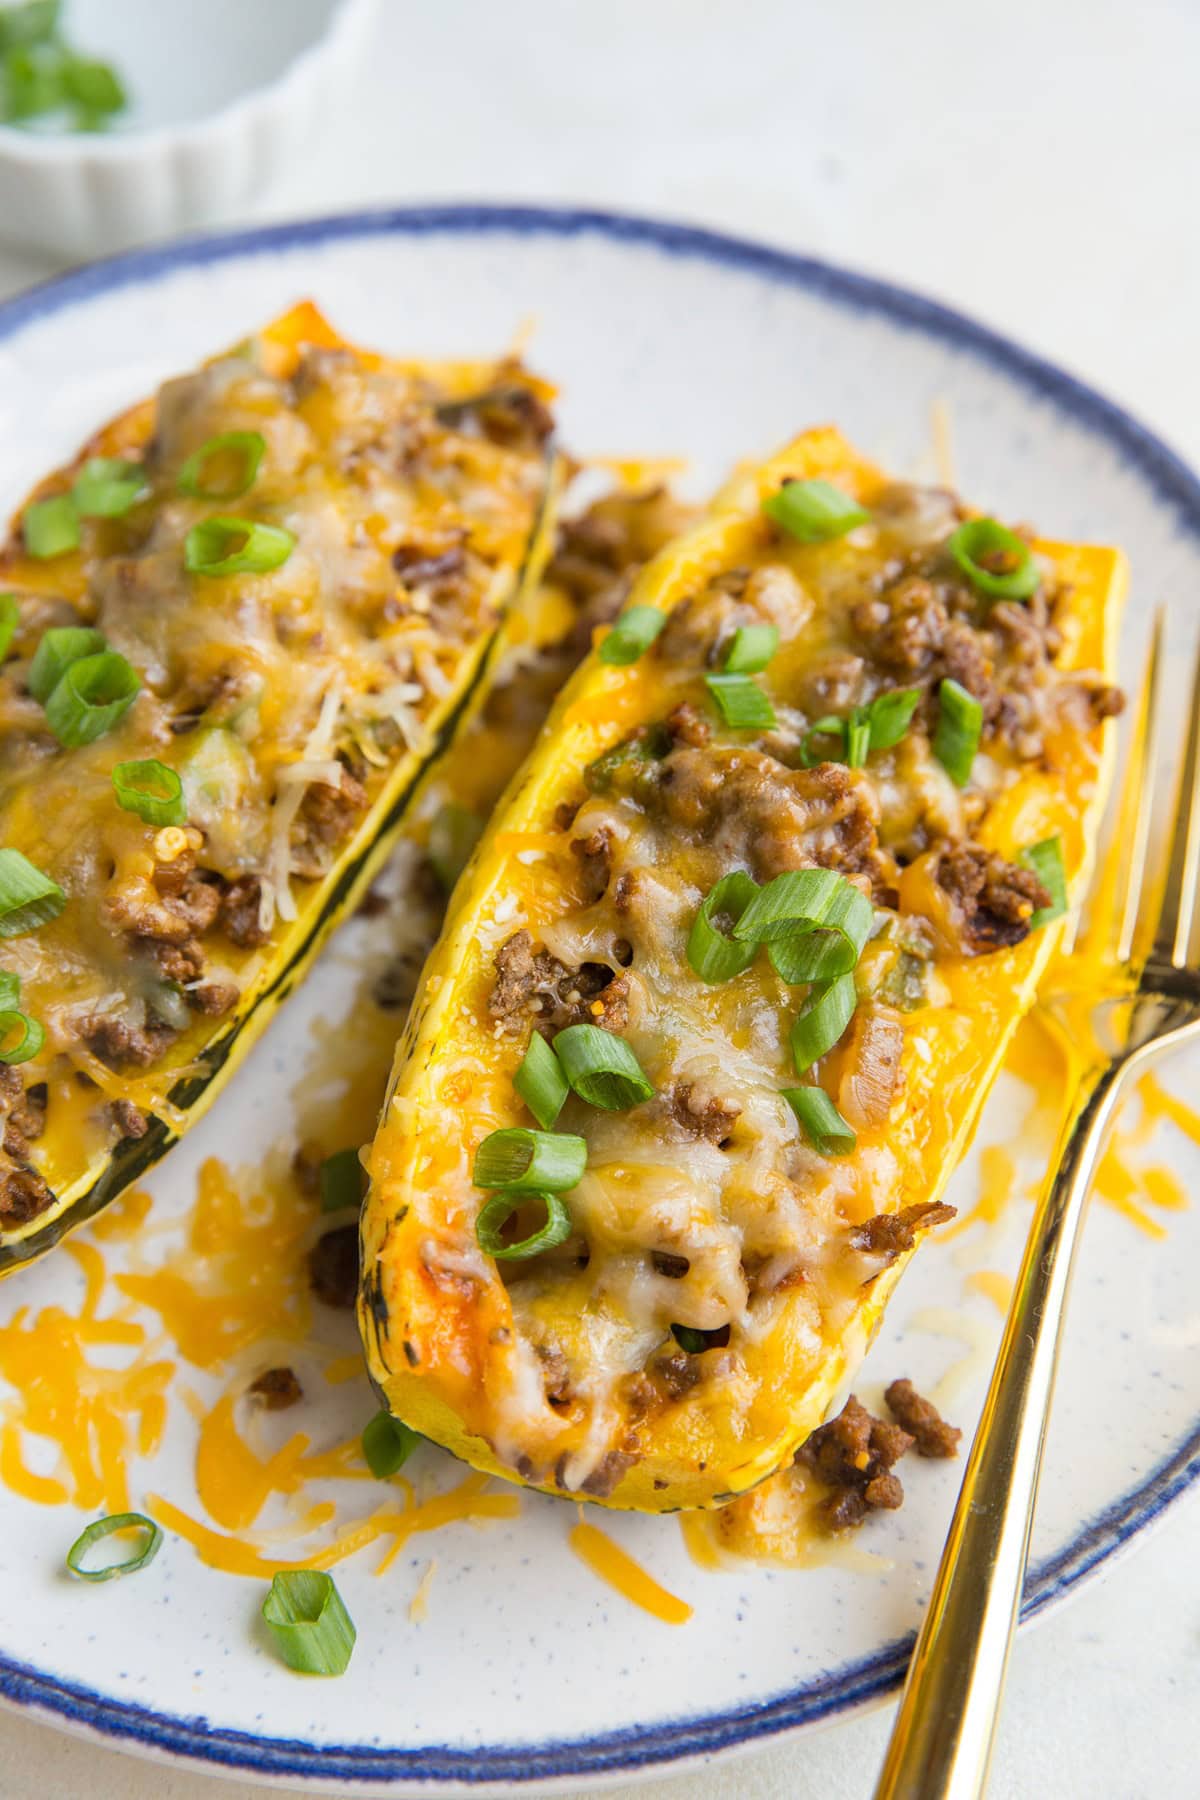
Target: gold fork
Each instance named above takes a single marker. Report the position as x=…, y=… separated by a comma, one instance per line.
x=941, y=1741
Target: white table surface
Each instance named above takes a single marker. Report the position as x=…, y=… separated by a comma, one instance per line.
x=1036, y=162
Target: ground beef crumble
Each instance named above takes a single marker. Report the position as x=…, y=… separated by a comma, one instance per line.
x=534, y=988
x=241, y=913
x=276, y=1389
x=853, y=1455
x=930, y=1433
x=889, y=1235
x=992, y=900
x=711, y=1119
x=333, y=1267
x=755, y=812
x=129, y=1120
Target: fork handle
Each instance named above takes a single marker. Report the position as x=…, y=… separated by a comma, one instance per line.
x=941, y=1742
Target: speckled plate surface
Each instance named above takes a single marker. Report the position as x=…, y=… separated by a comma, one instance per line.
x=526, y=1670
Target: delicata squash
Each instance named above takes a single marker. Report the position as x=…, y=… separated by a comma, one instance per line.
x=727, y=979
x=237, y=631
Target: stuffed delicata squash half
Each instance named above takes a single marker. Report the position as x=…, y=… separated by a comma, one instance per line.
x=236, y=632
x=726, y=981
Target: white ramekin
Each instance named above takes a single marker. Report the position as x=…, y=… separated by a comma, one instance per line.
x=81, y=195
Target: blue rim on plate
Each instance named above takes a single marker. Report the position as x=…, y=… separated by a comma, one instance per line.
x=870, y=1677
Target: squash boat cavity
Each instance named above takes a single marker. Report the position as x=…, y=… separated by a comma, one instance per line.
x=920, y=715
x=241, y=627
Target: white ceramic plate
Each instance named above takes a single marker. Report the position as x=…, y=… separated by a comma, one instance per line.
x=526, y=1669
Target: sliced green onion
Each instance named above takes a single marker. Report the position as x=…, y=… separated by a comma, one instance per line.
x=959, y=729
x=890, y=715
x=10, y=618
x=602, y=1068
x=751, y=650
x=151, y=790
x=814, y=511
x=874, y=727
x=1046, y=861
x=20, y=1037
x=57, y=650
x=149, y=1540
x=858, y=738
x=305, y=1615
x=711, y=955
x=994, y=559
x=803, y=899
x=93, y=694
x=32, y=81
x=51, y=527
x=10, y=989
x=237, y=453
x=830, y=727
x=518, y=1159
x=453, y=835
x=798, y=897
x=30, y=22
x=495, y=1213
x=224, y=545
x=831, y=945
x=387, y=1444
x=822, y=1123
x=741, y=702
x=632, y=635
x=94, y=89
x=108, y=486
x=341, y=1181
x=689, y=1339
x=822, y=1020
x=541, y=1083
x=27, y=897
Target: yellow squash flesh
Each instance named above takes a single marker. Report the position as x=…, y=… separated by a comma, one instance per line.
x=439, y=1344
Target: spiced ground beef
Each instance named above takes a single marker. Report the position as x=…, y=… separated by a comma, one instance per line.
x=853, y=1455
x=333, y=1267
x=241, y=913
x=277, y=1389
x=129, y=1119
x=755, y=812
x=534, y=988
x=121, y=1044
x=23, y=1195
x=993, y=900
x=930, y=1433
x=889, y=1235
x=594, y=856
x=712, y=1119
x=22, y=1111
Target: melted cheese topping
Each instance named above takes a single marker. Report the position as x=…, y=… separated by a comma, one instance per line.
x=706, y=1207
x=295, y=705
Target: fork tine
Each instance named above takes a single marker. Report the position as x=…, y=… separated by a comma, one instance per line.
x=1107, y=922
x=1137, y=808
x=1173, y=934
